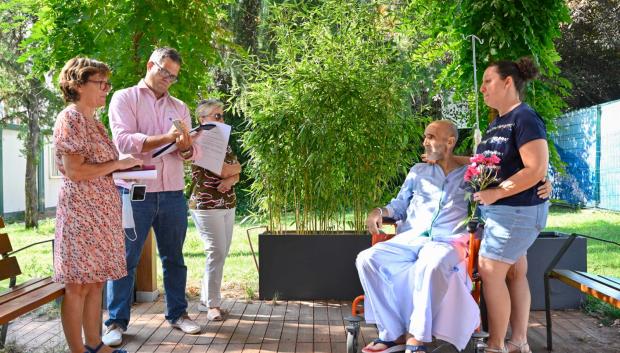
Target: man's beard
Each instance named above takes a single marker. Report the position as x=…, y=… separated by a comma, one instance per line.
x=433, y=155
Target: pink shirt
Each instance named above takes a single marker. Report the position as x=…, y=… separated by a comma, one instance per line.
x=135, y=113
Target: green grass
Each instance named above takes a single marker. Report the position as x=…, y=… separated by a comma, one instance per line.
x=603, y=258
x=241, y=276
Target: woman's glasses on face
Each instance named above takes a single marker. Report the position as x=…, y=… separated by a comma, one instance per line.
x=217, y=116
x=103, y=85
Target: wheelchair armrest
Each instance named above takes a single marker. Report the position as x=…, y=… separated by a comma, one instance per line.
x=389, y=221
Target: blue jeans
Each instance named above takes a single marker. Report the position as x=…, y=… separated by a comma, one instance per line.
x=166, y=212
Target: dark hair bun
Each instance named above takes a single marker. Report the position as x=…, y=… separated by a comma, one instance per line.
x=527, y=68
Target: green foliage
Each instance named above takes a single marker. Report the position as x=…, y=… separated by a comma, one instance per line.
x=327, y=110
x=512, y=29
x=590, y=52
x=124, y=33
x=25, y=97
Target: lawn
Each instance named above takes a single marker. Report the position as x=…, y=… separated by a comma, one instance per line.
x=241, y=276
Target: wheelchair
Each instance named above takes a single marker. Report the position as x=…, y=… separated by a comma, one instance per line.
x=477, y=342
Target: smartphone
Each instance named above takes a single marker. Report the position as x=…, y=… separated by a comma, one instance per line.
x=178, y=125
x=138, y=192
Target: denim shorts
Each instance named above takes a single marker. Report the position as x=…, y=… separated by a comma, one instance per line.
x=510, y=230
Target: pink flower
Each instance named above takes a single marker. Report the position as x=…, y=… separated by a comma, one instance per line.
x=478, y=158
x=468, y=175
x=471, y=172
x=492, y=159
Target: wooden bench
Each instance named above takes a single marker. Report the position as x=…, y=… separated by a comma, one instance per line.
x=25, y=297
x=605, y=288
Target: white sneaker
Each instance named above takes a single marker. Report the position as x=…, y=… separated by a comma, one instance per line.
x=187, y=325
x=113, y=336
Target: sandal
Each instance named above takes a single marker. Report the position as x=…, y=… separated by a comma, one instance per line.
x=521, y=347
x=391, y=347
x=496, y=350
x=95, y=350
x=411, y=348
x=215, y=317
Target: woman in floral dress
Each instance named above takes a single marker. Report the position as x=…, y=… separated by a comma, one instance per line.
x=89, y=247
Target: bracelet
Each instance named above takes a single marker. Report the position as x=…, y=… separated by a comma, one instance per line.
x=380, y=211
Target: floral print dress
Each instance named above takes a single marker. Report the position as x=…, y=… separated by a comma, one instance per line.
x=90, y=244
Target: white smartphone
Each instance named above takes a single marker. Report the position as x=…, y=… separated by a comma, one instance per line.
x=138, y=192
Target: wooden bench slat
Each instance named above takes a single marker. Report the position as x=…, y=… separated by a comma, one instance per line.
x=24, y=288
x=27, y=303
x=5, y=244
x=9, y=268
x=591, y=287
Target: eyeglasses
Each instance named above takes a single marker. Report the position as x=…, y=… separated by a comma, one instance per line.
x=103, y=85
x=165, y=74
x=217, y=116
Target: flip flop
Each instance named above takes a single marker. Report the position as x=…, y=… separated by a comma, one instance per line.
x=412, y=348
x=391, y=347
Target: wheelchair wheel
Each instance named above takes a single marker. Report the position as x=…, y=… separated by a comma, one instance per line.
x=351, y=342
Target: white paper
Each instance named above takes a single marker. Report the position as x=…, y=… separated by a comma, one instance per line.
x=213, y=145
x=136, y=174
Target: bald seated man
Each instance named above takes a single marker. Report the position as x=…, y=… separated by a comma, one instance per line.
x=415, y=284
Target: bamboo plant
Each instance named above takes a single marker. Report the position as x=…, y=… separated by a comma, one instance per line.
x=329, y=126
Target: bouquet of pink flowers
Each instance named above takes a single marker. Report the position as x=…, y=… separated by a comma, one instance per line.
x=481, y=173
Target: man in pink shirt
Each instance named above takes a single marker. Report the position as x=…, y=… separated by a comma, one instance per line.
x=141, y=120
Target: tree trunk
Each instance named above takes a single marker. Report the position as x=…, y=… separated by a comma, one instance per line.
x=247, y=24
x=31, y=214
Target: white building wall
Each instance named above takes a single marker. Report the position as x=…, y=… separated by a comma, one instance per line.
x=13, y=172
x=51, y=177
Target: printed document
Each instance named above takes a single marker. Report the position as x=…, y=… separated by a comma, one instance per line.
x=213, y=145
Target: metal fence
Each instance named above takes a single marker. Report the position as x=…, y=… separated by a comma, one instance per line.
x=588, y=141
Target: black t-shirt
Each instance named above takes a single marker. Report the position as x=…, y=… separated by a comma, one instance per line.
x=505, y=135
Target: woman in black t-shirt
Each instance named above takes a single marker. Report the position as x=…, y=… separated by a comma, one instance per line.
x=512, y=211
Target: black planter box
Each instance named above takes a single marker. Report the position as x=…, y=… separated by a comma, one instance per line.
x=309, y=267
x=540, y=255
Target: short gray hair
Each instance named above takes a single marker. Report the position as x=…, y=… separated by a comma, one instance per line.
x=160, y=54
x=205, y=106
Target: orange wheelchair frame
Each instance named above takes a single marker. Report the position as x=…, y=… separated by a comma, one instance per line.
x=478, y=338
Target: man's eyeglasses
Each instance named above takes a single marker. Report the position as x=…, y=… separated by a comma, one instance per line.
x=165, y=74
x=103, y=85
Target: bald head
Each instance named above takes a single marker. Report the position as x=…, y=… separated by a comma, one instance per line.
x=448, y=127
x=440, y=137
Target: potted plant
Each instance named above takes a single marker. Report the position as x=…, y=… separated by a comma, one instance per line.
x=329, y=130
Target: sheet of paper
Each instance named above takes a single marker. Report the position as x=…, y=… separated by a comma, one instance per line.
x=212, y=144
x=136, y=174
